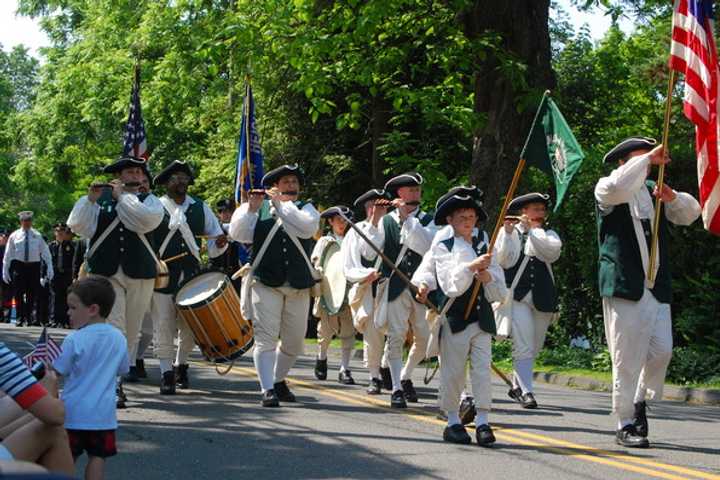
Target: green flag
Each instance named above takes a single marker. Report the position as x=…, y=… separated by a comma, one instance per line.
x=551, y=147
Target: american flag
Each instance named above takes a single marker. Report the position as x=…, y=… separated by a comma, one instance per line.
x=46, y=351
x=134, y=140
x=693, y=53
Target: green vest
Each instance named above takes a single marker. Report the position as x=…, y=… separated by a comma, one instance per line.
x=282, y=262
x=536, y=278
x=122, y=247
x=409, y=263
x=621, y=272
x=187, y=266
x=481, y=311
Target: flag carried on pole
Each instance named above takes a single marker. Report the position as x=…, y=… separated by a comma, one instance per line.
x=249, y=168
x=46, y=351
x=552, y=147
x=693, y=53
x=134, y=140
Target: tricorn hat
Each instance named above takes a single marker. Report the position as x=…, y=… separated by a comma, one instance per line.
x=455, y=202
x=176, y=166
x=627, y=146
x=409, y=179
x=276, y=174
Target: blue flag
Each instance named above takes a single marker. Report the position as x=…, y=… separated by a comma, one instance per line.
x=249, y=169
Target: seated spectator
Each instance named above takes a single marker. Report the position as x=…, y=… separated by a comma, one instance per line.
x=38, y=435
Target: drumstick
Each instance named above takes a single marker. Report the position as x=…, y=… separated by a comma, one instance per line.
x=176, y=257
x=208, y=237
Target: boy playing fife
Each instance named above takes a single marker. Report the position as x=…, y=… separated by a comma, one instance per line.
x=91, y=359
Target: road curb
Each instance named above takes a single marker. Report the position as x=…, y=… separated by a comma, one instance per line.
x=702, y=396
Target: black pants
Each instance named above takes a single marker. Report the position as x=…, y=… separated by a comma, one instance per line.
x=26, y=286
x=60, y=284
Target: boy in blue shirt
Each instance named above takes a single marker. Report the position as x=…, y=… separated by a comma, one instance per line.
x=91, y=359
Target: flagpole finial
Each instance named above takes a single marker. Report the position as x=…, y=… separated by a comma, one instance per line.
x=547, y=93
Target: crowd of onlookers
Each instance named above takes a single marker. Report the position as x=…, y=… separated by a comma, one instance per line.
x=37, y=274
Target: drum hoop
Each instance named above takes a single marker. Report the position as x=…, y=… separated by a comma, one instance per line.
x=212, y=296
x=323, y=303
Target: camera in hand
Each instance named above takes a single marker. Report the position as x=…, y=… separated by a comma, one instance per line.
x=38, y=370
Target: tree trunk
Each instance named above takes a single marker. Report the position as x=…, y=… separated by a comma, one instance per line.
x=523, y=28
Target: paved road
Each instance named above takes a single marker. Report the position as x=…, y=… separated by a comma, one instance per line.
x=218, y=430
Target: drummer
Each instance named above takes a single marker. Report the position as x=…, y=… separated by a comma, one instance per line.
x=283, y=275
x=333, y=322
x=186, y=219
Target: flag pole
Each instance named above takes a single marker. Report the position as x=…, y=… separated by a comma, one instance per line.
x=243, y=191
x=508, y=198
x=661, y=179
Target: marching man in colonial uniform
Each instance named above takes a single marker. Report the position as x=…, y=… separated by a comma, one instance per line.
x=362, y=270
x=458, y=261
x=527, y=253
x=426, y=280
x=25, y=253
x=638, y=325
x=405, y=236
x=280, y=230
x=186, y=219
x=339, y=323
x=117, y=221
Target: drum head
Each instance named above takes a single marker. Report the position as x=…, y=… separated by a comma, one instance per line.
x=200, y=289
x=334, y=284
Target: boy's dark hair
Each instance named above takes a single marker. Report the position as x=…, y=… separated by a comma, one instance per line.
x=95, y=291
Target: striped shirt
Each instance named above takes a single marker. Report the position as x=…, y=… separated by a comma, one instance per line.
x=17, y=381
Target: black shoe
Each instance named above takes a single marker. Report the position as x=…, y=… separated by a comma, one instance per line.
x=409, y=391
x=321, y=369
x=386, y=379
x=375, y=387
x=515, y=394
x=120, y=397
x=456, y=434
x=640, y=421
x=270, y=399
x=140, y=368
x=345, y=377
x=397, y=399
x=167, y=383
x=628, y=437
x=467, y=410
x=181, y=376
x=528, y=401
x=283, y=392
x=131, y=376
x=484, y=435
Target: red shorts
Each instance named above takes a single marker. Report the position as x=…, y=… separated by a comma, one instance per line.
x=97, y=443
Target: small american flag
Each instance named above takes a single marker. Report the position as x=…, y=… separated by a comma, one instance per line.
x=46, y=351
x=693, y=53
x=134, y=140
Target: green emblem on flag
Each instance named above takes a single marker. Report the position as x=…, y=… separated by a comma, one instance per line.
x=552, y=147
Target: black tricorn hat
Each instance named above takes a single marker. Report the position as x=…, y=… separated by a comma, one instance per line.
x=518, y=203
x=372, y=194
x=276, y=174
x=225, y=204
x=461, y=190
x=337, y=210
x=176, y=166
x=129, y=162
x=409, y=179
x=455, y=202
x=627, y=146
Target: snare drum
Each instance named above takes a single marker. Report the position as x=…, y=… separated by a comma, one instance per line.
x=210, y=306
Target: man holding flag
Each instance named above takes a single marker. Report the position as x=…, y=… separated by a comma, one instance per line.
x=636, y=311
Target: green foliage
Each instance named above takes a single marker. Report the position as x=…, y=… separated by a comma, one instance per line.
x=352, y=91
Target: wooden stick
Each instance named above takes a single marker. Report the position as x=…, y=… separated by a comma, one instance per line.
x=176, y=257
x=498, y=226
x=389, y=262
x=661, y=180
